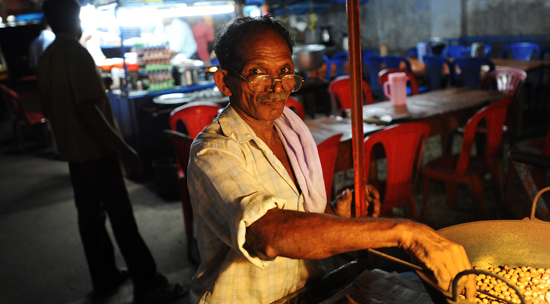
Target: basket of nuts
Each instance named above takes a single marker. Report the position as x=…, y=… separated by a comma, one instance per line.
x=511, y=259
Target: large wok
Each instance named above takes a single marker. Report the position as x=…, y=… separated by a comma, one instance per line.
x=514, y=243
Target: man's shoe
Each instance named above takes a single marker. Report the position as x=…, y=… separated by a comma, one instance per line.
x=165, y=293
x=113, y=288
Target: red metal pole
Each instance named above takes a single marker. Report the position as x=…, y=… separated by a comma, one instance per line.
x=354, y=45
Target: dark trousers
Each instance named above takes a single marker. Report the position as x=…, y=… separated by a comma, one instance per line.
x=99, y=190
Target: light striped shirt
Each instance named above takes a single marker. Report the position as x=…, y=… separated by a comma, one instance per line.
x=234, y=179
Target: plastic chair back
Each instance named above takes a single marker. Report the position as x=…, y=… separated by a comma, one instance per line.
x=455, y=51
x=340, y=91
x=434, y=71
x=338, y=65
x=510, y=82
x=195, y=117
x=181, y=143
x=17, y=113
x=522, y=50
x=21, y=118
x=412, y=82
x=412, y=52
x=369, y=53
x=494, y=116
x=403, y=146
x=394, y=62
x=470, y=70
x=506, y=80
x=296, y=106
x=328, y=150
x=374, y=65
x=486, y=50
x=341, y=55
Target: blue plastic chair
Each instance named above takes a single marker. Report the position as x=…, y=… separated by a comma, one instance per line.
x=340, y=65
x=374, y=65
x=394, y=62
x=486, y=50
x=470, y=70
x=522, y=50
x=455, y=51
x=340, y=55
x=412, y=52
x=369, y=53
x=434, y=71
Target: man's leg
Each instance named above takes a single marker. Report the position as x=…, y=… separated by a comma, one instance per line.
x=116, y=202
x=91, y=223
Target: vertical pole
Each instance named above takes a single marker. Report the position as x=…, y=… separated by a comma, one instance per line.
x=354, y=43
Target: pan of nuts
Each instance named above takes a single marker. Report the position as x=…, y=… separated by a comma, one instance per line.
x=511, y=259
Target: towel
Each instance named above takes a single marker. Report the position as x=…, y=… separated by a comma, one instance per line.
x=304, y=158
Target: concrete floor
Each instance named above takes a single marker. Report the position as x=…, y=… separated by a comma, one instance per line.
x=41, y=256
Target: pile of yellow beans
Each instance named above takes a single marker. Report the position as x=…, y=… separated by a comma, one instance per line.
x=533, y=284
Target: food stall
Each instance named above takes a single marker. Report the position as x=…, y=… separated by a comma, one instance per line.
x=145, y=81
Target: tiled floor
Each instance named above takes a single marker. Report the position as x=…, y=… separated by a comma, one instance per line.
x=41, y=257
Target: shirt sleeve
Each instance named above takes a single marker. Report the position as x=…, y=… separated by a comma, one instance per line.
x=227, y=197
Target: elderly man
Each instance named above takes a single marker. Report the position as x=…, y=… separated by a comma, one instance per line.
x=257, y=190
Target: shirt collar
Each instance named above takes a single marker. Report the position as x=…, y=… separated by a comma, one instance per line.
x=232, y=125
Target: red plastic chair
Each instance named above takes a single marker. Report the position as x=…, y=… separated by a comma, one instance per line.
x=412, y=87
x=510, y=82
x=195, y=116
x=296, y=106
x=467, y=169
x=181, y=143
x=340, y=91
x=21, y=118
x=328, y=150
x=403, y=147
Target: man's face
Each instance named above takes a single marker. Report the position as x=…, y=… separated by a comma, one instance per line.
x=266, y=53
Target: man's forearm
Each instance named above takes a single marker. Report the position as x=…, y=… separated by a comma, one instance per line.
x=301, y=235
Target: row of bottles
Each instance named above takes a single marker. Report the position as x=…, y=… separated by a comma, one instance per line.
x=159, y=77
x=153, y=58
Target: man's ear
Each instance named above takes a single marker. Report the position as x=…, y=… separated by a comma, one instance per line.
x=220, y=80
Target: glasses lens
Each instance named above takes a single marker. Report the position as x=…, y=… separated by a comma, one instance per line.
x=263, y=83
x=292, y=83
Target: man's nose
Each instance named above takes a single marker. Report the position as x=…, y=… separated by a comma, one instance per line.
x=278, y=86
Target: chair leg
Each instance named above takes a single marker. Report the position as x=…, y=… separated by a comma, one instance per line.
x=507, y=200
x=187, y=215
x=425, y=193
x=411, y=208
x=450, y=188
x=497, y=177
x=476, y=194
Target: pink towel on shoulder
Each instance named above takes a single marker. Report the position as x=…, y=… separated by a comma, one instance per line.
x=304, y=158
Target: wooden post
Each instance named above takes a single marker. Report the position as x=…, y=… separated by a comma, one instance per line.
x=354, y=43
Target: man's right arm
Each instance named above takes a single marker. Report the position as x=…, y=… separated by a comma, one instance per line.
x=301, y=235
x=88, y=90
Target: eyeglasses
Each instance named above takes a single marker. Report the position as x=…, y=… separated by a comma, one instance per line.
x=265, y=83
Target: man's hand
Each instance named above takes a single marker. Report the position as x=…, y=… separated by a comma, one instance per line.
x=442, y=257
x=344, y=202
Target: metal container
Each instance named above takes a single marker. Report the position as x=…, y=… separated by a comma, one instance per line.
x=308, y=57
x=186, y=75
x=514, y=243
